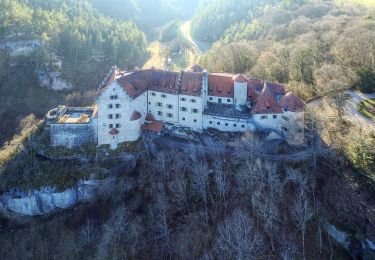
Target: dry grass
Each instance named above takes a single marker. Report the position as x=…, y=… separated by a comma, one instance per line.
x=370, y=3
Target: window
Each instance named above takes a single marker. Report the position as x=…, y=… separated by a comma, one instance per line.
x=160, y=113
x=153, y=94
x=183, y=99
x=218, y=123
x=228, y=100
x=118, y=105
x=118, y=125
x=169, y=115
x=219, y=100
x=210, y=122
x=284, y=129
x=110, y=116
x=194, y=110
x=113, y=97
x=110, y=126
x=268, y=107
x=159, y=104
x=163, y=95
x=183, y=119
x=285, y=118
x=110, y=106
x=170, y=106
x=243, y=126
x=193, y=100
x=149, y=111
x=263, y=117
x=184, y=109
x=234, y=125
x=149, y=103
x=210, y=98
x=226, y=124
x=229, y=92
x=118, y=115
x=274, y=116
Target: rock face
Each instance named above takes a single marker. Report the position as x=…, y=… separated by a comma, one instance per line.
x=41, y=202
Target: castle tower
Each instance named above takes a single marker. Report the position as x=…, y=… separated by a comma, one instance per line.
x=240, y=92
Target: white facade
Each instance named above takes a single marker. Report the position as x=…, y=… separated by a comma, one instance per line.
x=115, y=109
x=240, y=95
x=191, y=112
x=120, y=115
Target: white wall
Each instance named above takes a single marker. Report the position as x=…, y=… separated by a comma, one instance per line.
x=165, y=99
x=224, y=100
x=188, y=118
x=240, y=95
x=227, y=124
x=126, y=128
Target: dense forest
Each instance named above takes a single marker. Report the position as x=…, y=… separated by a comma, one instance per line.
x=316, y=48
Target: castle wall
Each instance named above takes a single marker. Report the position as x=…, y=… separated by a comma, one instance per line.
x=164, y=107
x=71, y=135
x=191, y=112
x=227, y=124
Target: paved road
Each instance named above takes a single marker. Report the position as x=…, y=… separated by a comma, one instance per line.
x=350, y=109
x=200, y=47
x=353, y=114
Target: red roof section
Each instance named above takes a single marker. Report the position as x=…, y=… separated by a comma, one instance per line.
x=220, y=85
x=113, y=131
x=191, y=84
x=195, y=68
x=266, y=103
x=150, y=117
x=240, y=78
x=154, y=126
x=291, y=102
x=135, y=116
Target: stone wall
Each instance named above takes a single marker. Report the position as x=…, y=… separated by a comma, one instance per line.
x=72, y=135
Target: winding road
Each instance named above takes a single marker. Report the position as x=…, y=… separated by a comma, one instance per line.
x=353, y=114
x=200, y=47
x=350, y=109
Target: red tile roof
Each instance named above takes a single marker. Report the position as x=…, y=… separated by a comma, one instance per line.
x=291, y=102
x=267, y=102
x=150, y=117
x=191, y=84
x=135, y=116
x=154, y=126
x=240, y=78
x=195, y=68
x=164, y=81
x=220, y=85
x=113, y=131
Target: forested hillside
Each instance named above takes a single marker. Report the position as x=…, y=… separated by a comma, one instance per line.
x=148, y=14
x=86, y=41
x=316, y=48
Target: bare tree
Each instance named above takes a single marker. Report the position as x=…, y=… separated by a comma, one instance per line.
x=237, y=237
x=267, y=194
x=302, y=213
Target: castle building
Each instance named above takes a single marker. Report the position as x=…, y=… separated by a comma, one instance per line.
x=130, y=102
